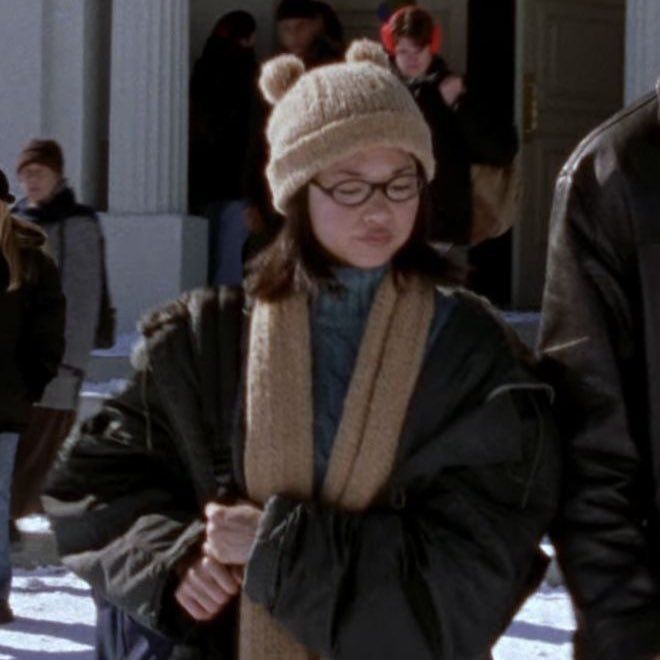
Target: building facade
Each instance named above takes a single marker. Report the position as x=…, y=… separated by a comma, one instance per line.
x=108, y=80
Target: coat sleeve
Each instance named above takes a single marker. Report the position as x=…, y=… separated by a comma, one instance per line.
x=81, y=282
x=41, y=344
x=122, y=508
x=591, y=346
x=438, y=572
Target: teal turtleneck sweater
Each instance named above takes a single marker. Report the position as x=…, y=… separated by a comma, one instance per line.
x=338, y=320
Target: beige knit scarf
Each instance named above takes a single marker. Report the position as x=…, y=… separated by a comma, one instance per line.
x=279, y=449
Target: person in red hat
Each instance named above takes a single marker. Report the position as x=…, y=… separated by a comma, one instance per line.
x=461, y=131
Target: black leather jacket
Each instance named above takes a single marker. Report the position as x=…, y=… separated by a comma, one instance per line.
x=601, y=341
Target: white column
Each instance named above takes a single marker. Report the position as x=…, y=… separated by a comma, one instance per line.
x=642, y=47
x=154, y=250
x=21, y=72
x=149, y=106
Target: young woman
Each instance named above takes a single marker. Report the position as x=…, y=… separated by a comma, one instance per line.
x=31, y=346
x=463, y=131
x=392, y=466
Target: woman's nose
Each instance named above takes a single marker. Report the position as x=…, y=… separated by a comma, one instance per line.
x=377, y=209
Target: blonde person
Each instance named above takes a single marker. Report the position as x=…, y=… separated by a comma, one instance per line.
x=31, y=346
x=393, y=464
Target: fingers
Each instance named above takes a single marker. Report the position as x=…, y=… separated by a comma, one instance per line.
x=214, y=511
x=238, y=573
x=197, y=605
x=190, y=605
x=240, y=514
x=231, y=531
x=206, y=588
x=221, y=575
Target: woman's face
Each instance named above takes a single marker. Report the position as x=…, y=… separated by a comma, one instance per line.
x=39, y=182
x=369, y=234
x=410, y=59
x=297, y=35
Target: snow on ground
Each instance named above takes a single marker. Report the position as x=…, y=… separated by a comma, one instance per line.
x=55, y=614
x=542, y=629
x=55, y=619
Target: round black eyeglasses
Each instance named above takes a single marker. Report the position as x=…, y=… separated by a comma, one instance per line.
x=354, y=192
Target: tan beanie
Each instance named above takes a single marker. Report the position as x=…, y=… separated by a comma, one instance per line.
x=334, y=111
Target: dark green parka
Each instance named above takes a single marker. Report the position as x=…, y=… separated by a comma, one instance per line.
x=435, y=570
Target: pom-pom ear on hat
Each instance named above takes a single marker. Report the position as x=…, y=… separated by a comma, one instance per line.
x=367, y=50
x=279, y=75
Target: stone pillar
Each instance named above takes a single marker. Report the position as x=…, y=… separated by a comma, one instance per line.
x=50, y=72
x=642, y=48
x=154, y=249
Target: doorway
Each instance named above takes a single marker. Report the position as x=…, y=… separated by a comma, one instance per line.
x=569, y=78
x=491, y=66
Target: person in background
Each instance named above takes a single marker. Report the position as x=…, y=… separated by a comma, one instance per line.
x=223, y=95
x=31, y=346
x=309, y=30
x=600, y=342
x=370, y=475
x=75, y=239
x=312, y=31
x=331, y=26
x=461, y=131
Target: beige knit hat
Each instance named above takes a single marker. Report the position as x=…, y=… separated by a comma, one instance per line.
x=334, y=111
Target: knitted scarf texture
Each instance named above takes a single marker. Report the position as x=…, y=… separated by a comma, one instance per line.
x=279, y=446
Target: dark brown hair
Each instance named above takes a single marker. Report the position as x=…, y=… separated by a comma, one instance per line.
x=415, y=24
x=297, y=262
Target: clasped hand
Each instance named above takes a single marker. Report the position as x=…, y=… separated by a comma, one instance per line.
x=211, y=582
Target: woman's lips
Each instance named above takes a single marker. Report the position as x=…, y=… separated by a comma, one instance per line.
x=376, y=238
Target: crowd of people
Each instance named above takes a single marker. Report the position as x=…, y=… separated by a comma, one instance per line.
x=338, y=450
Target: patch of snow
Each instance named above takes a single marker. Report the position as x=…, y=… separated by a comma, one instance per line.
x=105, y=389
x=543, y=629
x=34, y=524
x=54, y=617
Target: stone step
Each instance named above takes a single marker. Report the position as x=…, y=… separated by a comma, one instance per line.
x=37, y=546
x=112, y=363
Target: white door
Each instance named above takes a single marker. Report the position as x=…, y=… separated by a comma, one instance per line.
x=360, y=19
x=570, y=78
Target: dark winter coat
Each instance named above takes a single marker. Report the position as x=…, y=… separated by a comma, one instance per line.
x=223, y=93
x=31, y=331
x=601, y=339
x=76, y=242
x=462, y=135
x=435, y=570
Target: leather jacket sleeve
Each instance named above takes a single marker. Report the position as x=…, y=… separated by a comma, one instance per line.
x=591, y=344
